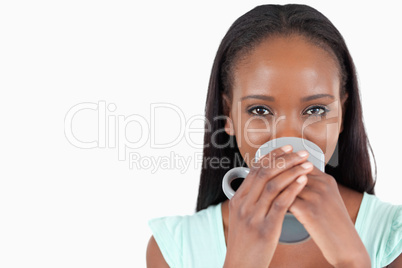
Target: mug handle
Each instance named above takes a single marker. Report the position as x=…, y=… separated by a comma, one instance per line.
x=234, y=173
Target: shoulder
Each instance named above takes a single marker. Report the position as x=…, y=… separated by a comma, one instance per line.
x=175, y=226
x=380, y=227
x=177, y=238
x=154, y=255
x=379, y=212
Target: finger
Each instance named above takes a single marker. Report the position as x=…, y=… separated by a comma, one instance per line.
x=249, y=181
x=268, y=173
x=317, y=185
x=274, y=154
x=297, y=207
x=270, y=167
x=307, y=191
x=274, y=187
x=283, y=202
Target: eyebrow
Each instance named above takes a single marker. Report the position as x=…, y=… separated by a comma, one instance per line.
x=304, y=99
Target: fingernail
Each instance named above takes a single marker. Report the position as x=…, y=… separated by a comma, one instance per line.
x=302, y=153
x=306, y=165
x=301, y=179
x=287, y=148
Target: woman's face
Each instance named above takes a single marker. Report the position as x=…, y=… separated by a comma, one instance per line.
x=285, y=87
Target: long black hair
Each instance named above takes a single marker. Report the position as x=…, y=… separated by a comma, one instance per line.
x=354, y=167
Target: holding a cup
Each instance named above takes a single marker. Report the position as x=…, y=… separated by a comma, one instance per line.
x=292, y=230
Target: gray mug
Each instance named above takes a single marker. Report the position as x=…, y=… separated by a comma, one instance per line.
x=292, y=230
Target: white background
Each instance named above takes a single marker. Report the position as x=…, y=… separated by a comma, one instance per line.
x=64, y=206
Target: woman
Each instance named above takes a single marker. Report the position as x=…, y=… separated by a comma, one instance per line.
x=283, y=71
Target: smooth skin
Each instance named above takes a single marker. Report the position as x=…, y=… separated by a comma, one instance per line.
x=268, y=102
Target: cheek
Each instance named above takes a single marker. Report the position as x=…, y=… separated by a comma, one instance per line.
x=325, y=134
x=257, y=132
x=252, y=132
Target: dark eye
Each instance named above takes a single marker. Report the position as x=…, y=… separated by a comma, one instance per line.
x=317, y=110
x=259, y=111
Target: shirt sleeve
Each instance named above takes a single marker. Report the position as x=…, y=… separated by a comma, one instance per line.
x=393, y=247
x=167, y=232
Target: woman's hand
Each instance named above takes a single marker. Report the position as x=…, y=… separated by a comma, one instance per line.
x=257, y=210
x=320, y=208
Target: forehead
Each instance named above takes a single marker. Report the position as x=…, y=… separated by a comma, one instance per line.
x=286, y=66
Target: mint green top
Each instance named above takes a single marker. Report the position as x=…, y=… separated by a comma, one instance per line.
x=198, y=241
